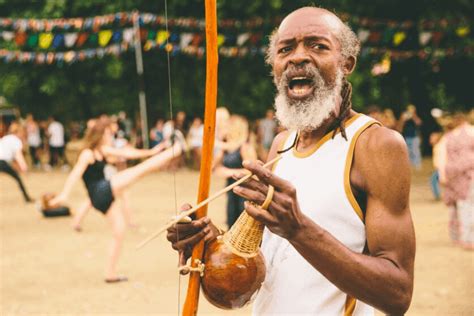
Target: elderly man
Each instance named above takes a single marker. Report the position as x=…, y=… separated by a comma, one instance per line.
x=339, y=236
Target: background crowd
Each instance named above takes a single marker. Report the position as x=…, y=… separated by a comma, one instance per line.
x=49, y=144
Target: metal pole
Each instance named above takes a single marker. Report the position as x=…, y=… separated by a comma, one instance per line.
x=141, y=81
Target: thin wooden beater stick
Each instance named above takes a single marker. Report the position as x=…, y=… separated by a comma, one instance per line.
x=206, y=201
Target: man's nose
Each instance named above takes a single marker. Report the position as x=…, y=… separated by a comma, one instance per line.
x=300, y=56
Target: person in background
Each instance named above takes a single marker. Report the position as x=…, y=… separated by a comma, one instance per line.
x=194, y=138
x=33, y=138
x=56, y=141
x=236, y=149
x=103, y=192
x=114, y=165
x=374, y=112
x=388, y=119
x=409, y=126
x=267, y=129
x=125, y=124
x=11, y=147
x=180, y=122
x=435, y=138
x=456, y=174
x=156, y=133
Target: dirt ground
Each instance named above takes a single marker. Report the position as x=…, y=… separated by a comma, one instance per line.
x=48, y=269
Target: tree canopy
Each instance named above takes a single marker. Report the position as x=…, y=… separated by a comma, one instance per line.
x=107, y=85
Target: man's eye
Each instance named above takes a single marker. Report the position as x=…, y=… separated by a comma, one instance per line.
x=318, y=46
x=284, y=50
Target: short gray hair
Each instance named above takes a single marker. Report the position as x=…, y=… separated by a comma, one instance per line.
x=350, y=44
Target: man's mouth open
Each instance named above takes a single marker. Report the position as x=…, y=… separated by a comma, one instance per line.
x=300, y=88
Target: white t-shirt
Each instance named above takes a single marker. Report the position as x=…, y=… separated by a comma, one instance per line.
x=9, y=147
x=56, y=132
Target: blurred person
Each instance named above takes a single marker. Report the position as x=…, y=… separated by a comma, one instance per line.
x=11, y=146
x=236, y=149
x=374, y=112
x=156, y=132
x=172, y=135
x=33, y=138
x=388, y=119
x=434, y=140
x=409, y=126
x=267, y=128
x=114, y=164
x=180, y=122
x=55, y=134
x=125, y=124
x=103, y=193
x=456, y=174
x=195, y=134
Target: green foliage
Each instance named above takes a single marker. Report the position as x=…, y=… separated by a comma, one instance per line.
x=110, y=84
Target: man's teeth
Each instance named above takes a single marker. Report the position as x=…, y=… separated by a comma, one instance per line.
x=300, y=90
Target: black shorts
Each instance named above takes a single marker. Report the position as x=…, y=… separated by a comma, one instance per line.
x=100, y=194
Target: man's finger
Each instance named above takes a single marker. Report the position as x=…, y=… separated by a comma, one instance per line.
x=183, y=270
x=266, y=176
x=251, y=195
x=191, y=241
x=260, y=214
x=255, y=185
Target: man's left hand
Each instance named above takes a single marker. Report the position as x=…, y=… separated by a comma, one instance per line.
x=283, y=216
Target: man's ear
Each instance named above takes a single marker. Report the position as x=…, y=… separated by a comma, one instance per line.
x=349, y=65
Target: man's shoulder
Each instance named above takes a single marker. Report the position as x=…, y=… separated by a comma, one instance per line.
x=380, y=139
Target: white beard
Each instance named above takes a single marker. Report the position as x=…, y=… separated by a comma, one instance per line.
x=312, y=112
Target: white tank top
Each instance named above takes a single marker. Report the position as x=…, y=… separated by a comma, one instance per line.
x=321, y=177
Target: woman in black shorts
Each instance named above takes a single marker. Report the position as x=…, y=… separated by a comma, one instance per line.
x=102, y=192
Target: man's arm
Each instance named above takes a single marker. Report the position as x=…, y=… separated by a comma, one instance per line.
x=384, y=278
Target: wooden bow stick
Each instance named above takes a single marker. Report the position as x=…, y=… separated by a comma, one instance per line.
x=181, y=216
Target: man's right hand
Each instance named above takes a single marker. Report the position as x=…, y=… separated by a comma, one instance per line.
x=183, y=236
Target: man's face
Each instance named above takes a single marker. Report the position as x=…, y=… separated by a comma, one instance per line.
x=307, y=36
x=307, y=68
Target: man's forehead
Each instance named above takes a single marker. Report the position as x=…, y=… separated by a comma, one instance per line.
x=309, y=21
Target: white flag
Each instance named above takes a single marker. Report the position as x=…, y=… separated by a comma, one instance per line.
x=70, y=39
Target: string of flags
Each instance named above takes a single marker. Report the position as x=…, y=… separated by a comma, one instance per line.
x=47, y=41
x=126, y=18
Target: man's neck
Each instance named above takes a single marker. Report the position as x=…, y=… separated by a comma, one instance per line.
x=308, y=138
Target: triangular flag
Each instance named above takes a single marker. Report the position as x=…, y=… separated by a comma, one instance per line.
x=186, y=38
x=424, y=38
x=242, y=38
x=161, y=37
x=93, y=38
x=8, y=36
x=220, y=40
x=363, y=35
x=45, y=40
x=128, y=35
x=32, y=40
x=104, y=37
x=20, y=38
x=58, y=40
x=462, y=31
x=398, y=38
x=81, y=39
x=70, y=39
x=116, y=37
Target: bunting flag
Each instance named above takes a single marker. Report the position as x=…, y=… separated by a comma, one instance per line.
x=67, y=57
x=104, y=37
x=121, y=19
x=47, y=41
